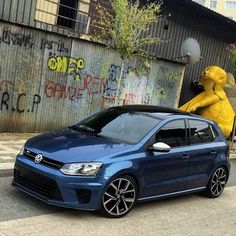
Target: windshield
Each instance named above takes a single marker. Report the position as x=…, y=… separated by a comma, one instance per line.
x=119, y=125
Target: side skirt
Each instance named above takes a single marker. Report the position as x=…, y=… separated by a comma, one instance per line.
x=171, y=194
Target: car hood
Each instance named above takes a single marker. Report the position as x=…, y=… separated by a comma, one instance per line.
x=70, y=146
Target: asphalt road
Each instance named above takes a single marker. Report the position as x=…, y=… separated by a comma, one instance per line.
x=186, y=215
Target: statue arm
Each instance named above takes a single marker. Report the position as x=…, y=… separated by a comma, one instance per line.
x=208, y=100
x=193, y=101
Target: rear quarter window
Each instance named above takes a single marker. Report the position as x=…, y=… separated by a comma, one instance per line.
x=201, y=132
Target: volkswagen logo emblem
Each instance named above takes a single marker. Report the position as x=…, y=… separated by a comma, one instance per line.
x=38, y=158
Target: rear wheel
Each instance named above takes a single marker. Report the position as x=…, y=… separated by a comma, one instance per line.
x=119, y=197
x=216, y=183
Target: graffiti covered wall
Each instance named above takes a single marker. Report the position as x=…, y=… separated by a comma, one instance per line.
x=49, y=81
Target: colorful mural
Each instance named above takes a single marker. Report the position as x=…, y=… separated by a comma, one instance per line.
x=48, y=81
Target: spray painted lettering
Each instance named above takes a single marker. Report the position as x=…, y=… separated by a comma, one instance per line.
x=112, y=79
x=19, y=102
x=19, y=39
x=67, y=65
x=53, y=45
x=59, y=91
x=90, y=86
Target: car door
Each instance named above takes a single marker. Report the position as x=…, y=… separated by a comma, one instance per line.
x=165, y=172
x=202, y=151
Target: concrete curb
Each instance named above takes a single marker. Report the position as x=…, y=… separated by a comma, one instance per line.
x=7, y=166
x=16, y=136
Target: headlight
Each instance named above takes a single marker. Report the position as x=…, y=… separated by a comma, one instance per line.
x=88, y=169
x=22, y=150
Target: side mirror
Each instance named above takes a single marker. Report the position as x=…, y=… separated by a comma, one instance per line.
x=160, y=147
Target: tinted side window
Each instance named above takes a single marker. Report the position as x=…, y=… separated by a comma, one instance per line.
x=201, y=132
x=172, y=133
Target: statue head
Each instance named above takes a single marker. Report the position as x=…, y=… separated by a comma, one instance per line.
x=215, y=74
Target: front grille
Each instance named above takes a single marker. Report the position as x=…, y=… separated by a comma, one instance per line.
x=46, y=161
x=37, y=182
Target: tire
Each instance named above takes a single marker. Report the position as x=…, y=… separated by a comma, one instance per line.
x=119, y=197
x=216, y=184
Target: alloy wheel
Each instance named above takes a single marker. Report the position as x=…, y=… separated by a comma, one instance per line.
x=218, y=181
x=119, y=197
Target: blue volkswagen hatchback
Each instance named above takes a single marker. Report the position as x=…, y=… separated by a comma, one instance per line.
x=124, y=155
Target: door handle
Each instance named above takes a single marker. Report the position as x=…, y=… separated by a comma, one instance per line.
x=185, y=156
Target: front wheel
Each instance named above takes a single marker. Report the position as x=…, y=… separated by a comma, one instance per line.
x=119, y=197
x=216, y=183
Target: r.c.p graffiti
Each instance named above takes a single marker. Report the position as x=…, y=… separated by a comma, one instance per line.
x=17, y=103
x=66, y=65
x=20, y=104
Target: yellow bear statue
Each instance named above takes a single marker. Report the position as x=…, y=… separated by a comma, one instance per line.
x=213, y=102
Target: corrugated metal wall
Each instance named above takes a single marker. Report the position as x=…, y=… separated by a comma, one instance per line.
x=48, y=81
x=180, y=19
x=18, y=11
x=23, y=12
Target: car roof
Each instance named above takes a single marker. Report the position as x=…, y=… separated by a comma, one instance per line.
x=160, y=111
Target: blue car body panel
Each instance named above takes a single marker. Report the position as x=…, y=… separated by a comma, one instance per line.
x=70, y=146
x=157, y=174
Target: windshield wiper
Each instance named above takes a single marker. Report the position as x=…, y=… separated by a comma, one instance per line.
x=84, y=128
x=91, y=131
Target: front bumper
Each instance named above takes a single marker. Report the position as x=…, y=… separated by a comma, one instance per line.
x=55, y=188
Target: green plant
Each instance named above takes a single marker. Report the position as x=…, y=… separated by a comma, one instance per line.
x=170, y=76
x=125, y=28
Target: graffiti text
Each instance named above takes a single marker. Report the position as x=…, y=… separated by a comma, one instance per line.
x=19, y=39
x=53, y=45
x=68, y=65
